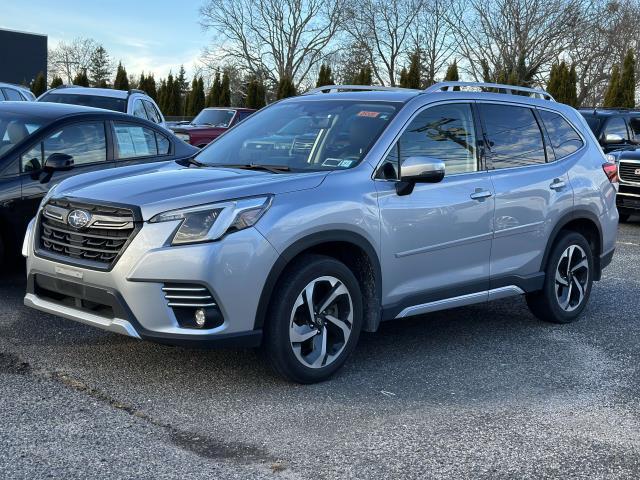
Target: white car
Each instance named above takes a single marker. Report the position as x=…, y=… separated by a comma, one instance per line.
x=134, y=102
x=15, y=93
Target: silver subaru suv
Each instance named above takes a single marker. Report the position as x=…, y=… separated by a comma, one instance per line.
x=377, y=204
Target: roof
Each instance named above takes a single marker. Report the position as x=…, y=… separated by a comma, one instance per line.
x=398, y=95
x=13, y=85
x=50, y=110
x=102, y=92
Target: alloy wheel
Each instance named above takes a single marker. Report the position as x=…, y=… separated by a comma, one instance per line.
x=572, y=278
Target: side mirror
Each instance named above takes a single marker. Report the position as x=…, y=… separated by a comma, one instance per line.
x=58, y=161
x=419, y=170
x=613, y=138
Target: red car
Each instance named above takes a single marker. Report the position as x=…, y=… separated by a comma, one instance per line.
x=209, y=124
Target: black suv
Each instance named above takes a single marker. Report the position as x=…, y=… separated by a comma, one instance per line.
x=615, y=128
x=44, y=143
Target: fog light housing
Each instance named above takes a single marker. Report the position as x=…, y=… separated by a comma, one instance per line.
x=200, y=317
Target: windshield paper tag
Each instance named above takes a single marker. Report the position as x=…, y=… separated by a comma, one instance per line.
x=364, y=113
x=345, y=163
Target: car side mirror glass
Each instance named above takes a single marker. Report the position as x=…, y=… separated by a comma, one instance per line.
x=613, y=138
x=422, y=170
x=58, y=161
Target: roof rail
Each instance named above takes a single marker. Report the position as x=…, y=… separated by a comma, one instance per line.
x=67, y=85
x=355, y=88
x=496, y=87
x=611, y=109
x=136, y=90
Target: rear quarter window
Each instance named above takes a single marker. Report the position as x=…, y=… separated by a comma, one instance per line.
x=564, y=139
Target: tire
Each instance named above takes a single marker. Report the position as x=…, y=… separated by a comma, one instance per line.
x=293, y=349
x=564, y=296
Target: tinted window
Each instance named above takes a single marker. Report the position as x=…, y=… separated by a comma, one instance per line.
x=616, y=126
x=564, y=139
x=138, y=110
x=12, y=95
x=634, y=124
x=242, y=115
x=134, y=141
x=85, y=142
x=444, y=132
x=96, y=101
x=514, y=136
x=152, y=113
x=15, y=127
x=163, y=144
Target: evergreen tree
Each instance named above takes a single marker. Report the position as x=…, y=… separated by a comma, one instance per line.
x=486, y=72
x=572, y=87
x=413, y=75
x=39, y=85
x=199, y=98
x=286, y=88
x=189, y=98
x=213, y=97
x=81, y=79
x=628, y=81
x=181, y=85
x=121, y=81
x=148, y=84
x=255, y=94
x=613, y=98
x=554, y=85
x=404, y=81
x=364, y=77
x=100, y=67
x=324, y=77
x=452, y=73
x=56, y=82
x=162, y=97
x=224, y=99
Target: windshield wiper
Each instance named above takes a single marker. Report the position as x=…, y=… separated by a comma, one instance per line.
x=185, y=162
x=256, y=166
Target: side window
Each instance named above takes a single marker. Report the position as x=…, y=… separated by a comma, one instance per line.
x=152, y=113
x=85, y=142
x=445, y=132
x=32, y=160
x=564, y=139
x=13, y=95
x=514, y=136
x=243, y=114
x=617, y=126
x=134, y=141
x=138, y=110
x=163, y=144
x=634, y=125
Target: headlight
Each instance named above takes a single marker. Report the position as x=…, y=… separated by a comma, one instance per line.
x=206, y=223
x=183, y=136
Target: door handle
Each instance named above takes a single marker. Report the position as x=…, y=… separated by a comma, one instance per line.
x=480, y=194
x=557, y=184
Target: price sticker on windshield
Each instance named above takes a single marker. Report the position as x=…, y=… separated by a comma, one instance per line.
x=365, y=113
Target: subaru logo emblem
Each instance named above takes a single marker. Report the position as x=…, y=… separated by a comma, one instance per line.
x=79, y=218
x=637, y=172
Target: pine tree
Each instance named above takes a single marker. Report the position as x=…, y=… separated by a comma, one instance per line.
x=100, y=67
x=364, y=77
x=213, y=97
x=56, y=82
x=628, y=81
x=81, y=79
x=39, y=85
x=286, y=88
x=162, y=97
x=199, y=98
x=452, y=73
x=225, y=91
x=554, y=85
x=613, y=98
x=188, y=102
x=255, y=94
x=413, y=74
x=324, y=77
x=404, y=81
x=148, y=84
x=121, y=81
x=181, y=86
x=572, y=87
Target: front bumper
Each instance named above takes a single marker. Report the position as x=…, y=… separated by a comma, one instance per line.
x=129, y=299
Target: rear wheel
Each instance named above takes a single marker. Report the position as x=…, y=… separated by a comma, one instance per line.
x=315, y=319
x=568, y=281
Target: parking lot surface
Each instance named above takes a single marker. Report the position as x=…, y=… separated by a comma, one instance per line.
x=478, y=392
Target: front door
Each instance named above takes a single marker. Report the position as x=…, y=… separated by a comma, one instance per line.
x=436, y=241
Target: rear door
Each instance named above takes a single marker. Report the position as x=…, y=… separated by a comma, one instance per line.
x=532, y=191
x=135, y=143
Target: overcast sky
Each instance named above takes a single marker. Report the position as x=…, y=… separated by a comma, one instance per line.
x=146, y=35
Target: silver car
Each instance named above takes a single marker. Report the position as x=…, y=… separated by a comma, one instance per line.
x=389, y=203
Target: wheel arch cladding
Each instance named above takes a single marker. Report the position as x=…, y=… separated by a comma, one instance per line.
x=352, y=249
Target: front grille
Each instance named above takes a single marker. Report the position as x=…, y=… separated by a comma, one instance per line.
x=98, y=243
x=628, y=172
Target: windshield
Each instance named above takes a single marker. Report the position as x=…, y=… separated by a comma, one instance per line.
x=216, y=118
x=96, y=101
x=593, y=122
x=303, y=135
x=15, y=127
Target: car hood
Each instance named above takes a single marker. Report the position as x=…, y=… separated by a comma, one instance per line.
x=159, y=187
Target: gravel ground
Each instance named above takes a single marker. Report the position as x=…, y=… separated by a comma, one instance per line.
x=477, y=392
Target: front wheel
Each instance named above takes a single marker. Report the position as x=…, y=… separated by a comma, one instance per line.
x=568, y=281
x=315, y=319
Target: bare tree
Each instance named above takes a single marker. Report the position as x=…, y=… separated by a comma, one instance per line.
x=384, y=27
x=433, y=37
x=285, y=38
x=68, y=59
x=510, y=35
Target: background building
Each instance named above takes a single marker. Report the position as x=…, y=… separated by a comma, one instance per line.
x=22, y=56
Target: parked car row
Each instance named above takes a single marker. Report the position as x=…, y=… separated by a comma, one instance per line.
x=314, y=219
